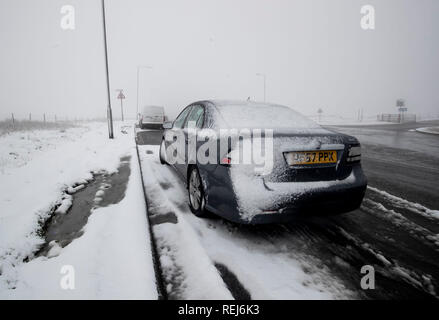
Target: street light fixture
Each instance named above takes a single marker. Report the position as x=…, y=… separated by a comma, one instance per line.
x=138, y=73
x=265, y=77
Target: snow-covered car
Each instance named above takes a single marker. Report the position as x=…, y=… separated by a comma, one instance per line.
x=152, y=117
x=267, y=163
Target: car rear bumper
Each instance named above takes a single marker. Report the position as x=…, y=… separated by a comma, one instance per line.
x=319, y=204
x=312, y=199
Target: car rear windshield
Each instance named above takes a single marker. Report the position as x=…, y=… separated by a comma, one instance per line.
x=264, y=116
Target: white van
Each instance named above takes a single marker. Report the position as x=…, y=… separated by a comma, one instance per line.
x=152, y=117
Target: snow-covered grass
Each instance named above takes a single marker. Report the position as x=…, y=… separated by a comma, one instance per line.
x=7, y=126
x=112, y=259
x=18, y=148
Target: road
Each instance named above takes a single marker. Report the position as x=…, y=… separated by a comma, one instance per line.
x=402, y=161
x=395, y=230
x=405, y=164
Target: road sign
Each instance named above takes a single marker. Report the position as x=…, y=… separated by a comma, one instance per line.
x=402, y=109
x=121, y=96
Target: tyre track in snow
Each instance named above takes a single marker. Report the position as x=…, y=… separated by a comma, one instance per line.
x=406, y=251
x=343, y=254
x=402, y=272
x=399, y=215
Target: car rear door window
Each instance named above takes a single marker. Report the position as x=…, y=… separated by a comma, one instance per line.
x=197, y=116
x=179, y=122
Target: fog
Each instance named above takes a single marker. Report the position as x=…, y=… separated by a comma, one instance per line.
x=314, y=54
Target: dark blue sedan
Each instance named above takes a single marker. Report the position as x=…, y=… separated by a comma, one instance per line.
x=261, y=163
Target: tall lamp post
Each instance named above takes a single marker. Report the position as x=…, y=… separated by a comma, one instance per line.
x=265, y=78
x=109, y=112
x=138, y=74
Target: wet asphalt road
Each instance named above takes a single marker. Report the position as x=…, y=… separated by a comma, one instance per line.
x=395, y=236
x=149, y=137
x=399, y=161
x=405, y=164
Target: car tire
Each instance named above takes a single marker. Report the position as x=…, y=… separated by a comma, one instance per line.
x=162, y=153
x=196, y=196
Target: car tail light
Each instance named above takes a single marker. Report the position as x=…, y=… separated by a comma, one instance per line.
x=226, y=160
x=230, y=158
x=354, y=154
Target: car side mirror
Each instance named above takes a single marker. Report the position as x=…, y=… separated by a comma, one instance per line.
x=167, y=125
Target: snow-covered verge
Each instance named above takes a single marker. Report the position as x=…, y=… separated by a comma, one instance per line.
x=18, y=148
x=188, y=271
x=112, y=259
x=430, y=130
x=8, y=127
x=191, y=247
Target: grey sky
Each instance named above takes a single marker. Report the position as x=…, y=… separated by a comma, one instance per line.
x=314, y=54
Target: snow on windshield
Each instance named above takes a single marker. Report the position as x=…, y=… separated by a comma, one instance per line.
x=255, y=115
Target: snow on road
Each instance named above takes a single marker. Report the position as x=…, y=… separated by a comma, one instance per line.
x=430, y=130
x=193, y=246
x=412, y=206
x=112, y=259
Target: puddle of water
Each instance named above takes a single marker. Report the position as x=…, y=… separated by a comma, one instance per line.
x=105, y=189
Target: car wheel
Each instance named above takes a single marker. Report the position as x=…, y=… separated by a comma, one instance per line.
x=162, y=153
x=197, y=201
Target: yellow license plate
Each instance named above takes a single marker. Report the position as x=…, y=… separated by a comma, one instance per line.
x=311, y=157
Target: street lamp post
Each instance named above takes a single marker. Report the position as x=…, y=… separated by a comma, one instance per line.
x=265, y=77
x=138, y=74
x=109, y=111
